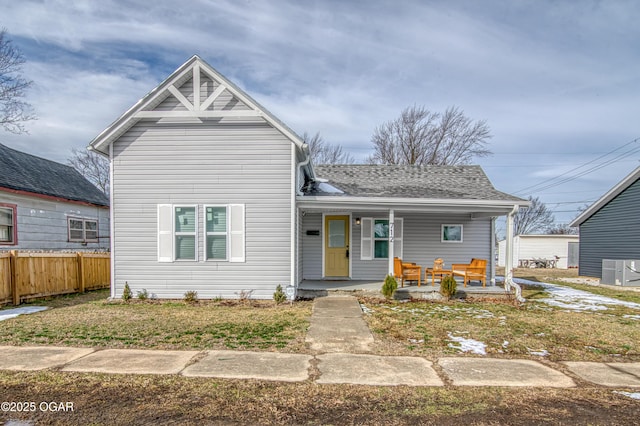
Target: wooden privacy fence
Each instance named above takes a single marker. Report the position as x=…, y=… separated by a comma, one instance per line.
x=28, y=275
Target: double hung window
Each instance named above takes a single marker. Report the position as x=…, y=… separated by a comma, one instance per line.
x=7, y=224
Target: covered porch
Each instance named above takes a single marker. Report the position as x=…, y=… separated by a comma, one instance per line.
x=319, y=288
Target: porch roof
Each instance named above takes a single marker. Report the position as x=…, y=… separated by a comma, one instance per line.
x=421, y=188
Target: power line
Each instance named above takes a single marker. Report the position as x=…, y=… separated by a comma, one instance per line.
x=549, y=183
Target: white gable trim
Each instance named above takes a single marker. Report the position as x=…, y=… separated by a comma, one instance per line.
x=194, y=65
x=610, y=195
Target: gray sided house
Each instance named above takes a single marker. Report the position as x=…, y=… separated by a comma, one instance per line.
x=610, y=227
x=212, y=193
x=46, y=205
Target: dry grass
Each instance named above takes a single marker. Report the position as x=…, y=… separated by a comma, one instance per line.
x=126, y=400
x=508, y=330
x=89, y=320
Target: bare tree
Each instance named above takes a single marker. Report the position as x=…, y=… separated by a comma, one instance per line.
x=562, y=229
x=422, y=137
x=326, y=153
x=14, y=111
x=94, y=167
x=536, y=218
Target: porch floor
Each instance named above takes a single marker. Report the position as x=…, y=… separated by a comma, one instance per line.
x=319, y=288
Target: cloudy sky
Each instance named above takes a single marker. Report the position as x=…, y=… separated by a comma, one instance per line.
x=558, y=82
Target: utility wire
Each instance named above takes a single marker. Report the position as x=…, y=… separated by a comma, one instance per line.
x=549, y=183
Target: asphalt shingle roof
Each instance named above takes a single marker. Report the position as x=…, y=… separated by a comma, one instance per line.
x=25, y=172
x=431, y=182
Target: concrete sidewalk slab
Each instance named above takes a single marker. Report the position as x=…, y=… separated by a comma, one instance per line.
x=337, y=306
x=376, y=370
x=337, y=326
x=38, y=357
x=616, y=374
x=502, y=372
x=251, y=365
x=133, y=361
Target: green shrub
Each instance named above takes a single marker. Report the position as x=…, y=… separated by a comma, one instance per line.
x=448, y=286
x=279, y=295
x=191, y=296
x=389, y=287
x=143, y=295
x=126, y=293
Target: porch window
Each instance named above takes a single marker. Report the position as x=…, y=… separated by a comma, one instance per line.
x=82, y=230
x=451, y=234
x=7, y=224
x=375, y=238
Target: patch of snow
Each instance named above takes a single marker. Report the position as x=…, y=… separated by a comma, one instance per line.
x=633, y=317
x=576, y=300
x=634, y=395
x=12, y=313
x=366, y=309
x=542, y=352
x=467, y=345
x=505, y=344
x=416, y=341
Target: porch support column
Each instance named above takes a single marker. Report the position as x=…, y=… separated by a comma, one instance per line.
x=508, y=264
x=391, y=234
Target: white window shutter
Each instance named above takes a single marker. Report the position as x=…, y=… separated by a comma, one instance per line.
x=366, y=238
x=165, y=233
x=397, y=237
x=236, y=233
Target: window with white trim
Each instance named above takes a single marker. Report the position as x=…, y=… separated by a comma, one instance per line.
x=222, y=232
x=374, y=238
x=451, y=234
x=216, y=232
x=82, y=230
x=8, y=224
x=185, y=232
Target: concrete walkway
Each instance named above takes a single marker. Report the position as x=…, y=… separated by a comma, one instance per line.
x=336, y=327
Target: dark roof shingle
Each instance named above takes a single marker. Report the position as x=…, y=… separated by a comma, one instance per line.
x=25, y=172
x=403, y=181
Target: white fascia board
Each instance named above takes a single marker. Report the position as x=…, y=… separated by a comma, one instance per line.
x=610, y=195
x=419, y=204
x=126, y=120
x=131, y=116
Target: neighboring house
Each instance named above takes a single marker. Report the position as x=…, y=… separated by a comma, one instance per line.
x=610, y=227
x=550, y=247
x=212, y=193
x=46, y=205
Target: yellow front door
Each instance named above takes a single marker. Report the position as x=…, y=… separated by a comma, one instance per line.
x=336, y=246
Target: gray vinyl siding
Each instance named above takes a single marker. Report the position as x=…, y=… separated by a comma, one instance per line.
x=42, y=224
x=421, y=243
x=613, y=232
x=204, y=163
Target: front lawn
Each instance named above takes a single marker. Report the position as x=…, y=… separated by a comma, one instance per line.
x=90, y=320
x=500, y=328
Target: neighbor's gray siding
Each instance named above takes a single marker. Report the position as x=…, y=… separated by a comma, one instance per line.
x=42, y=224
x=613, y=232
x=421, y=243
x=202, y=163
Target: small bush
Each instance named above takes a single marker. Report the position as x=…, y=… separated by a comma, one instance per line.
x=279, y=295
x=244, y=296
x=126, y=293
x=143, y=295
x=448, y=286
x=389, y=287
x=191, y=296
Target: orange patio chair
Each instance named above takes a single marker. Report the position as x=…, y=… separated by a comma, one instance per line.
x=406, y=271
x=474, y=271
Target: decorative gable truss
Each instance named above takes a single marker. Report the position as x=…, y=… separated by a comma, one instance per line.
x=193, y=91
x=197, y=93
